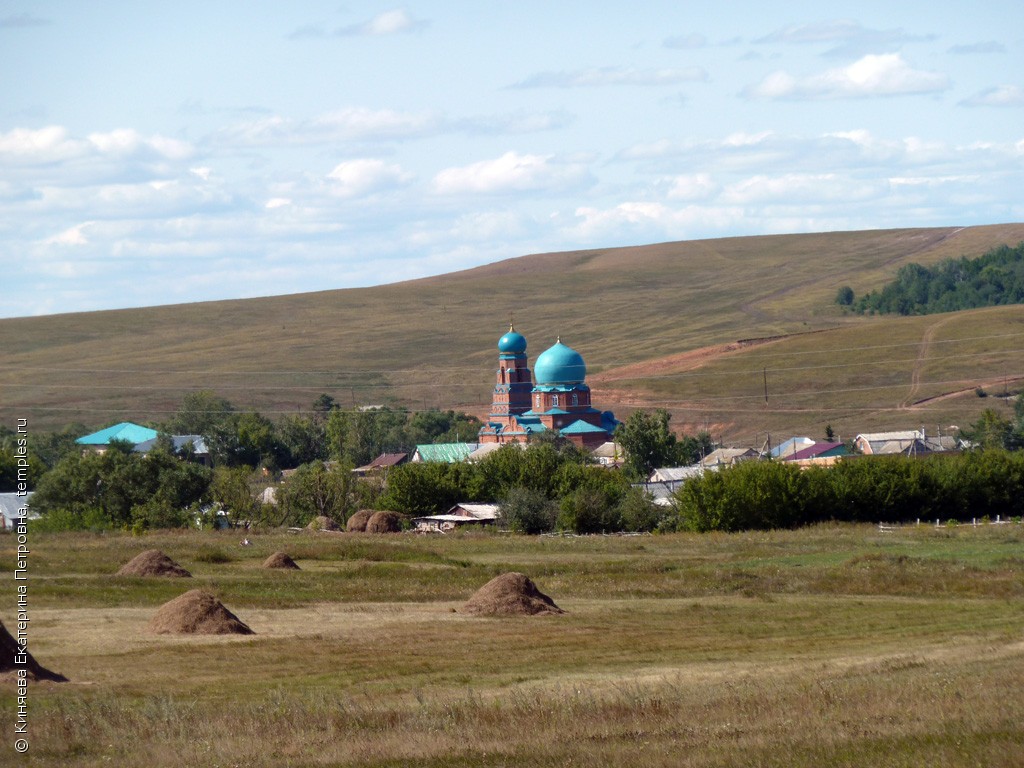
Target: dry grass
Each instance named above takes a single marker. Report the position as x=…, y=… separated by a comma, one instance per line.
x=827, y=646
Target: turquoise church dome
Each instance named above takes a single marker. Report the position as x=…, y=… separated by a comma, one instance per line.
x=512, y=343
x=559, y=364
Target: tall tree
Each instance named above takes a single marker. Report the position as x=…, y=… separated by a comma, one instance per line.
x=647, y=441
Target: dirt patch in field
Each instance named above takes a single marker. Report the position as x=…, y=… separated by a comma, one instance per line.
x=11, y=655
x=153, y=562
x=384, y=522
x=280, y=560
x=357, y=523
x=511, y=594
x=197, y=612
x=683, y=361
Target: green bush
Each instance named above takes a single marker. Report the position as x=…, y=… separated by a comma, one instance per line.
x=527, y=510
x=753, y=494
x=764, y=495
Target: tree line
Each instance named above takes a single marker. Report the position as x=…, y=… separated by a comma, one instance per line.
x=995, y=278
x=868, y=489
x=546, y=485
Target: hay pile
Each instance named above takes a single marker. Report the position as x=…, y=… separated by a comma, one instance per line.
x=322, y=523
x=280, y=560
x=197, y=612
x=153, y=562
x=357, y=523
x=8, y=666
x=511, y=594
x=384, y=522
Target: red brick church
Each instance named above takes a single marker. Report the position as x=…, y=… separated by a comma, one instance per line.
x=558, y=400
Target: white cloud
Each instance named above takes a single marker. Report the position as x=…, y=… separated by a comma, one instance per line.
x=103, y=153
x=277, y=202
x=365, y=176
x=354, y=123
x=613, y=76
x=70, y=237
x=125, y=142
x=511, y=172
x=43, y=145
x=697, y=186
x=688, y=42
x=989, y=46
x=1003, y=96
x=388, y=23
x=489, y=225
x=792, y=188
x=819, y=32
x=515, y=123
x=850, y=37
x=873, y=75
x=651, y=221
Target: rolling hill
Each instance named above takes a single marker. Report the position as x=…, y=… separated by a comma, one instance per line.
x=704, y=328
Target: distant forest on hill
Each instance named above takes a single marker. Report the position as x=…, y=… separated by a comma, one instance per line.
x=995, y=278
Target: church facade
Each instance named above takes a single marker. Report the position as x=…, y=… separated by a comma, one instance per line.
x=554, y=396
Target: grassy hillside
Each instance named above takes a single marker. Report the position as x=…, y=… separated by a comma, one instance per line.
x=632, y=313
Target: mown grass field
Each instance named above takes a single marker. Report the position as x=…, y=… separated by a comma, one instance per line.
x=431, y=343
x=840, y=646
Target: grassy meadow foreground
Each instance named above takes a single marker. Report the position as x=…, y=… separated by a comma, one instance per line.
x=825, y=646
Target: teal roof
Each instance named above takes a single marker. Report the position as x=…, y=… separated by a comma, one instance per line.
x=447, y=453
x=579, y=426
x=559, y=364
x=512, y=343
x=132, y=433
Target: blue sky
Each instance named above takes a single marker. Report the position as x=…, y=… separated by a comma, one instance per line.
x=158, y=152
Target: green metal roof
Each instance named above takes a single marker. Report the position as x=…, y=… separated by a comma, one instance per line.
x=447, y=453
x=132, y=433
x=579, y=426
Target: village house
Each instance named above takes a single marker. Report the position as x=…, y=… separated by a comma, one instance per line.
x=728, y=456
x=823, y=454
x=458, y=516
x=912, y=442
x=382, y=464
x=126, y=431
x=444, y=453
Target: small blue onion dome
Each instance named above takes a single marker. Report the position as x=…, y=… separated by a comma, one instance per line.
x=559, y=365
x=512, y=343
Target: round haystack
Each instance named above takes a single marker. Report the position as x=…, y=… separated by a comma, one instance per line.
x=280, y=560
x=511, y=594
x=197, y=612
x=12, y=659
x=384, y=522
x=322, y=523
x=153, y=562
x=357, y=523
